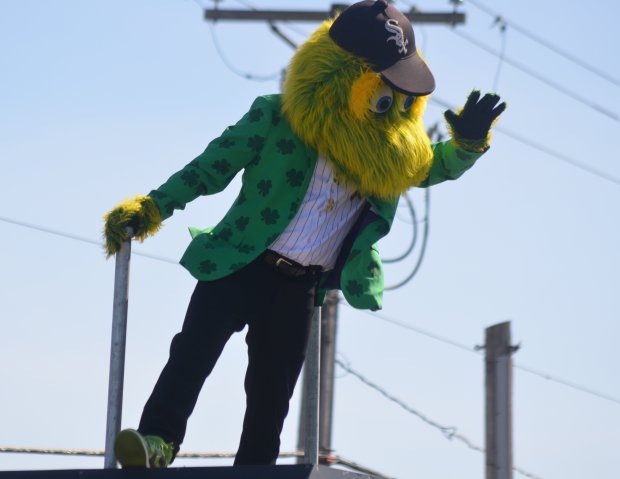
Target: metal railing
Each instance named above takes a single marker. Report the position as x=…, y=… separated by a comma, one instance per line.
x=117, y=366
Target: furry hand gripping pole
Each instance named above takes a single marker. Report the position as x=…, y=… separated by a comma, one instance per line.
x=139, y=212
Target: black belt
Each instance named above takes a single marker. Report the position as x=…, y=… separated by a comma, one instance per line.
x=287, y=266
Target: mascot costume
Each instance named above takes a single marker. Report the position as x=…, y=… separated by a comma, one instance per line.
x=324, y=165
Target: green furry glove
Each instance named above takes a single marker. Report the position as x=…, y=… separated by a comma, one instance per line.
x=140, y=213
x=470, y=127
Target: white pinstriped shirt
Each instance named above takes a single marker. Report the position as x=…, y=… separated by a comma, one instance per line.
x=327, y=213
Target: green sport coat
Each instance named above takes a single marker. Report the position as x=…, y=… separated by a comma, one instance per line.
x=277, y=168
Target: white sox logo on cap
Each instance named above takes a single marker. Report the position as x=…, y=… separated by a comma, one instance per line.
x=392, y=26
x=382, y=36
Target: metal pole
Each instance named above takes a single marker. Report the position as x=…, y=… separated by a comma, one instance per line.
x=311, y=381
x=329, y=319
x=498, y=402
x=117, y=350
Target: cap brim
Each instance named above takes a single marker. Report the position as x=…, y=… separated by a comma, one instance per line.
x=410, y=76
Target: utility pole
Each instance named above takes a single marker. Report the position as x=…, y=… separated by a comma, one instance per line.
x=417, y=17
x=329, y=311
x=498, y=372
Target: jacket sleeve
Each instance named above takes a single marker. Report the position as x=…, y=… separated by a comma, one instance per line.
x=223, y=158
x=449, y=163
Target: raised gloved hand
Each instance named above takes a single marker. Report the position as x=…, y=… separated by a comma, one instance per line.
x=140, y=213
x=471, y=125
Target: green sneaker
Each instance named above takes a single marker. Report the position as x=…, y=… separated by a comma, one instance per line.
x=132, y=449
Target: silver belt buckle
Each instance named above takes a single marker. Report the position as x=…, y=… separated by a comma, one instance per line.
x=282, y=260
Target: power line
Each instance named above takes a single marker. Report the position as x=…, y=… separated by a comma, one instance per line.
x=248, y=5
x=182, y=455
x=235, y=70
x=422, y=332
x=475, y=350
x=99, y=452
x=532, y=73
x=82, y=239
x=449, y=432
x=569, y=384
x=502, y=52
x=559, y=156
x=556, y=86
x=532, y=36
x=540, y=147
x=414, y=234
x=50, y=231
x=297, y=30
x=401, y=324
x=220, y=52
x=435, y=99
x=418, y=263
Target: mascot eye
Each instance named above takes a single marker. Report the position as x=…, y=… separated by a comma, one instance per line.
x=409, y=100
x=382, y=100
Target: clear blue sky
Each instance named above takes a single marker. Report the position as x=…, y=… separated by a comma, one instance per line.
x=100, y=100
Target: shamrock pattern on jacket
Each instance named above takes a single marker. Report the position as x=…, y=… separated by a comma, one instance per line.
x=276, y=167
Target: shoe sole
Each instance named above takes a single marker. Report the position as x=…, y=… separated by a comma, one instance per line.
x=130, y=449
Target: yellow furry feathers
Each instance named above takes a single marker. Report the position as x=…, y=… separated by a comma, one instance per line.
x=140, y=213
x=326, y=99
x=362, y=90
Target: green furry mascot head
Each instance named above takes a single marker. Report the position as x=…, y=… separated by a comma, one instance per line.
x=355, y=91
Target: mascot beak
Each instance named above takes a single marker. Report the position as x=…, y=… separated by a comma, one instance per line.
x=383, y=37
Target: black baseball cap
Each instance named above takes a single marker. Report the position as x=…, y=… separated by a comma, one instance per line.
x=381, y=35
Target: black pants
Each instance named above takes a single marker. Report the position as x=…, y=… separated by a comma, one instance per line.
x=278, y=310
